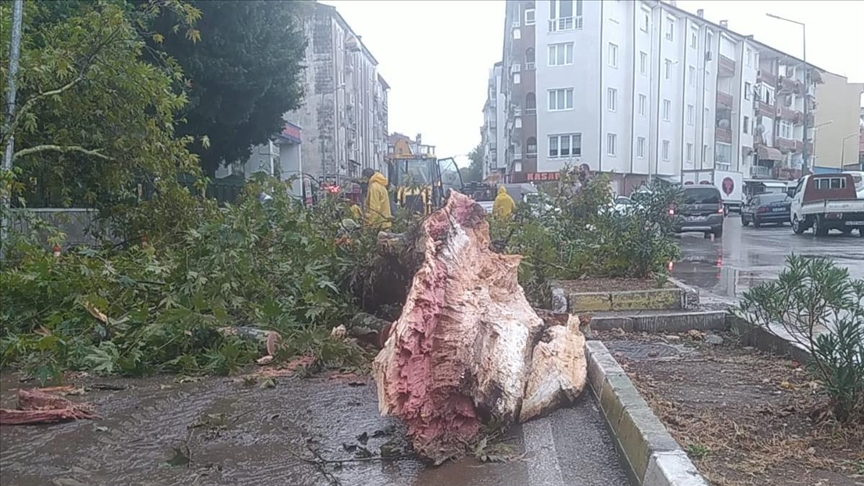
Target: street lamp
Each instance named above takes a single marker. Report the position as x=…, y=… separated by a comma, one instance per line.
x=806, y=81
x=843, y=149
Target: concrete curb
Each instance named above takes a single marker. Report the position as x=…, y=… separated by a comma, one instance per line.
x=662, y=322
x=678, y=297
x=764, y=340
x=651, y=454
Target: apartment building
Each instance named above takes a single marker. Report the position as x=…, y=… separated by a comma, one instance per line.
x=492, y=134
x=837, y=123
x=344, y=117
x=642, y=89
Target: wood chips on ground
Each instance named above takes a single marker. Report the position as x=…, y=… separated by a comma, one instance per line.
x=743, y=416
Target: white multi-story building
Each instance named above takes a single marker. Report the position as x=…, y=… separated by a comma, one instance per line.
x=641, y=88
x=492, y=137
x=342, y=126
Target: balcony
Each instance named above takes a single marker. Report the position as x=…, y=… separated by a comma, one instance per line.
x=784, y=145
x=723, y=135
x=760, y=171
x=787, y=114
x=726, y=67
x=765, y=109
x=724, y=99
x=790, y=85
x=799, y=146
x=767, y=77
x=565, y=23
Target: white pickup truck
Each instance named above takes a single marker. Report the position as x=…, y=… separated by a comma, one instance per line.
x=825, y=202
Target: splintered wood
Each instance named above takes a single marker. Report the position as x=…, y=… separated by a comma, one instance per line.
x=468, y=347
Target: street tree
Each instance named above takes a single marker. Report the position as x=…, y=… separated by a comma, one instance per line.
x=241, y=77
x=94, y=118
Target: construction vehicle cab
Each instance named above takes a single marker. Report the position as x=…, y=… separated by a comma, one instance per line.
x=421, y=180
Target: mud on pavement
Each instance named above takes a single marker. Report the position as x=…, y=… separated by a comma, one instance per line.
x=224, y=431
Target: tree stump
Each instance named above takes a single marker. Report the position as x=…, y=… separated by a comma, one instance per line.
x=468, y=347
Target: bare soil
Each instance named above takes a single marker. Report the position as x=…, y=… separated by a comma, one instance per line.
x=612, y=284
x=743, y=416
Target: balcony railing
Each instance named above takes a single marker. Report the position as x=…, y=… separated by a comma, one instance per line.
x=760, y=171
x=784, y=144
x=723, y=135
x=765, y=109
x=787, y=114
x=530, y=111
x=724, y=99
x=565, y=23
x=727, y=66
x=529, y=66
x=799, y=146
x=767, y=77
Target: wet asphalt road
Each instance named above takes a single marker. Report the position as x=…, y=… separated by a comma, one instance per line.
x=222, y=432
x=745, y=257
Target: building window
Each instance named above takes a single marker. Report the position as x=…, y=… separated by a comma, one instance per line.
x=706, y=117
x=643, y=63
x=668, y=66
x=665, y=149
x=749, y=57
x=646, y=20
x=690, y=153
x=518, y=122
x=748, y=90
x=517, y=78
x=640, y=147
x=691, y=75
x=709, y=39
x=565, y=15
x=704, y=153
x=560, y=99
x=722, y=155
x=785, y=130
x=561, y=54
x=565, y=145
x=746, y=124
x=517, y=34
x=642, y=102
x=667, y=110
x=529, y=14
x=612, y=99
x=611, y=144
x=691, y=115
x=694, y=36
x=530, y=103
x=529, y=58
x=613, y=55
x=670, y=28
x=531, y=145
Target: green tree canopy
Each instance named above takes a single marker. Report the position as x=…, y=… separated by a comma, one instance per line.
x=93, y=116
x=241, y=77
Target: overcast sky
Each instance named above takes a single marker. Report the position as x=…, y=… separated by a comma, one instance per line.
x=436, y=55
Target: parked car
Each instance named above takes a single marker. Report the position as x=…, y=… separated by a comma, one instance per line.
x=702, y=211
x=766, y=209
x=825, y=202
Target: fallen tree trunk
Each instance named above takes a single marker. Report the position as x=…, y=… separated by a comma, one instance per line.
x=468, y=347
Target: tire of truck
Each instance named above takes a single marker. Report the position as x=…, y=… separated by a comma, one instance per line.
x=798, y=226
x=819, y=228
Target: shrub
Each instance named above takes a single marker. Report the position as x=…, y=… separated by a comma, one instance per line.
x=571, y=231
x=822, y=309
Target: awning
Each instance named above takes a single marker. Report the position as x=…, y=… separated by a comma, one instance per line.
x=768, y=153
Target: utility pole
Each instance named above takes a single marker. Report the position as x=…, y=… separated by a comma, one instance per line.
x=9, y=113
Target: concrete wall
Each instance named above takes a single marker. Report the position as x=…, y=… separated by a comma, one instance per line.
x=838, y=102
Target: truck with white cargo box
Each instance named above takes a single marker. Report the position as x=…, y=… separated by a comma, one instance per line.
x=825, y=202
x=730, y=184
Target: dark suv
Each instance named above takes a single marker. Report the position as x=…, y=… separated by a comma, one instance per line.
x=702, y=211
